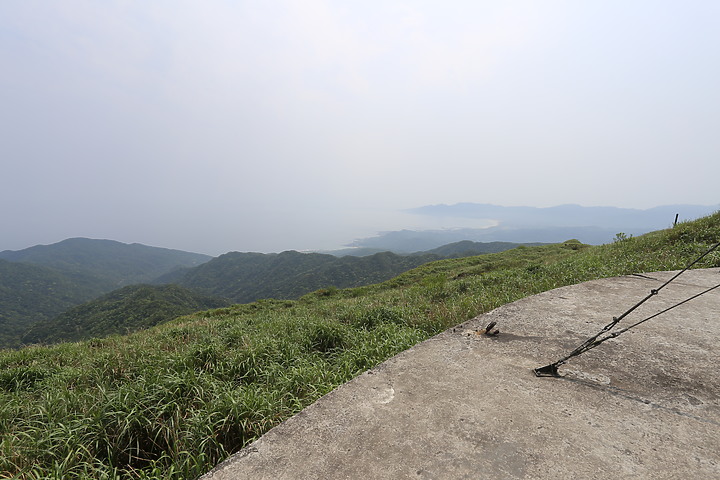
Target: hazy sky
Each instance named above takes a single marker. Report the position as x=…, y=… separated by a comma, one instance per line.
x=267, y=125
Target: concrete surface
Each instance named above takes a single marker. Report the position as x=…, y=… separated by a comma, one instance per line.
x=468, y=406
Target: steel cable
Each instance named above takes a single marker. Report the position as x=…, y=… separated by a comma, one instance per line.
x=595, y=340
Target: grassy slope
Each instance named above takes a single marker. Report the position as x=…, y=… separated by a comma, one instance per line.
x=246, y=277
x=172, y=401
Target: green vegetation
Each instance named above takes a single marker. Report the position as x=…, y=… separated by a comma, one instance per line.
x=467, y=248
x=172, y=401
x=122, y=311
x=44, y=281
x=246, y=277
x=31, y=293
x=113, y=264
x=39, y=283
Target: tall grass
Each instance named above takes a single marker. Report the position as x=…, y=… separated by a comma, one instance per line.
x=173, y=401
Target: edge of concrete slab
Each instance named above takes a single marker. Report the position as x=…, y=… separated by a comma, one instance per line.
x=465, y=405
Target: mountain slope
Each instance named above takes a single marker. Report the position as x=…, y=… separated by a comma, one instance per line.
x=242, y=277
x=41, y=282
x=246, y=277
x=31, y=293
x=113, y=264
x=467, y=248
x=122, y=311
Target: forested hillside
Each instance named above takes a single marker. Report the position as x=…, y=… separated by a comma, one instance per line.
x=31, y=293
x=113, y=264
x=39, y=283
x=467, y=248
x=246, y=277
x=122, y=311
x=93, y=267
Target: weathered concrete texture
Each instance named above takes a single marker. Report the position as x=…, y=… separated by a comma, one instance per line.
x=461, y=405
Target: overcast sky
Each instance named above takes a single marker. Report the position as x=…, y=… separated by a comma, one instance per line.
x=213, y=126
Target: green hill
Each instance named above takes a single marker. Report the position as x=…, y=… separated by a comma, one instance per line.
x=467, y=248
x=112, y=264
x=246, y=277
x=96, y=266
x=31, y=293
x=39, y=283
x=173, y=400
x=122, y=311
x=463, y=248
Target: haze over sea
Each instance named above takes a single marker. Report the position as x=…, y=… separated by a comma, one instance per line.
x=265, y=126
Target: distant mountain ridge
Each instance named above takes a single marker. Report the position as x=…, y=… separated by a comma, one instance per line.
x=41, y=282
x=233, y=277
x=246, y=277
x=427, y=240
x=591, y=225
x=112, y=263
x=570, y=215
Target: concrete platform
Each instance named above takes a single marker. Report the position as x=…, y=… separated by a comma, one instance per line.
x=468, y=406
